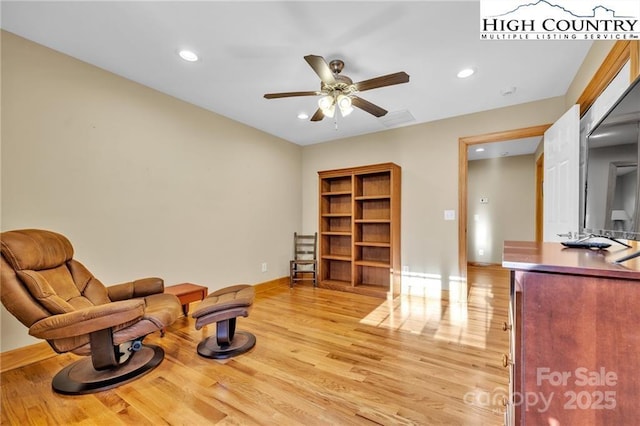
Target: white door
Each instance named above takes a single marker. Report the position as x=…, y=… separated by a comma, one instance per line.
x=561, y=186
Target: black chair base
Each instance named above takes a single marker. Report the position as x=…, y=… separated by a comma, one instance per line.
x=81, y=378
x=241, y=343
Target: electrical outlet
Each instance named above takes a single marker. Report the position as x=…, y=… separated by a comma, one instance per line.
x=264, y=266
x=484, y=200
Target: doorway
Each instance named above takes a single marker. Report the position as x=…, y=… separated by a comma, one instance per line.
x=463, y=145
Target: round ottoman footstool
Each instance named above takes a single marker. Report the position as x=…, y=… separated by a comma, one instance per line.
x=223, y=307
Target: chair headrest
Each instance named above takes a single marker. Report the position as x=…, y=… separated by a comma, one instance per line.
x=35, y=249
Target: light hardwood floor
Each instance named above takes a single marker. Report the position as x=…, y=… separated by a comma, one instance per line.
x=322, y=357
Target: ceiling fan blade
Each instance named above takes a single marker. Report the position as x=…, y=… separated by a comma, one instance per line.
x=318, y=116
x=289, y=94
x=385, y=80
x=368, y=106
x=321, y=68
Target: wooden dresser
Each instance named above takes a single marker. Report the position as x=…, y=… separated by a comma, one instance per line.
x=575, y=336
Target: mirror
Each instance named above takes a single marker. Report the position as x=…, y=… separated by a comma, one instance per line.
x=611, y=181
x=621, y=196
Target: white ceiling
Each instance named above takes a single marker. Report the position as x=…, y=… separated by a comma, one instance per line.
x=510, y=148
x=248, y=49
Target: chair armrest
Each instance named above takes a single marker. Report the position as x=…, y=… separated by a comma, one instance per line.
x=88, y=320
x=138, y=288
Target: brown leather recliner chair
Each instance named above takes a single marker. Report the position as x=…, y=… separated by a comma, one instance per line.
x=62, y=302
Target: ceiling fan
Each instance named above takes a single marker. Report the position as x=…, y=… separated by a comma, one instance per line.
x=338, y=90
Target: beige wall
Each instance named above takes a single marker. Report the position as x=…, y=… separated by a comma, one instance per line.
x=509, y=185
x=142, y=184
x=428, y=155
x=598, y=52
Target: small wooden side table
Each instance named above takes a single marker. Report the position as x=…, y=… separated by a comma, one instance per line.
x=187, y=293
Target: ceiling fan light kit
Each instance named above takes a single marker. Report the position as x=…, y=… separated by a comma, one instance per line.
x=327, y=105
x=339, y=90
x=344, y=103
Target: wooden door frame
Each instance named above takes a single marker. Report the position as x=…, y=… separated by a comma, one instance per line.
x=463, y=146
x=620, y=53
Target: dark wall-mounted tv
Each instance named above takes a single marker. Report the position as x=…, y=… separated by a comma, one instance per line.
x=611, y=179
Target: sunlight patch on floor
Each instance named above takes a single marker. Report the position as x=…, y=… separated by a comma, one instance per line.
x=468, y=323
x=405, y=313
x=422, y=285
x=424, y=307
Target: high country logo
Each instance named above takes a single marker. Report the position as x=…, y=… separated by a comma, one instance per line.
x=546, y=20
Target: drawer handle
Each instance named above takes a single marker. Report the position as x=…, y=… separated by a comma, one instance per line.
x=505, y=360
x=506, y=326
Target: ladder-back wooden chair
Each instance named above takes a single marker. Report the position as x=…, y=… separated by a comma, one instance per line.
x=304, y=265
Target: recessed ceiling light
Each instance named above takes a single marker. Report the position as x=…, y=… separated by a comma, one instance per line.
x=303, y=116
x=188, y=55
x=467, y=72
x=479, y=149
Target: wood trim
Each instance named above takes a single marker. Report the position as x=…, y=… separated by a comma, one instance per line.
x=26, y=355
x=463, y=172
x=485, y=266
x=621, y=52
x=506, y=135
x=463, y=145
x=268, y=285
x=634, y=58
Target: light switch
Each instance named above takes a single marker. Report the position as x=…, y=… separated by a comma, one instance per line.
x=449, y=215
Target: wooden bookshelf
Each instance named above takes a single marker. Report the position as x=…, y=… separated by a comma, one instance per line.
x=360, y=229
